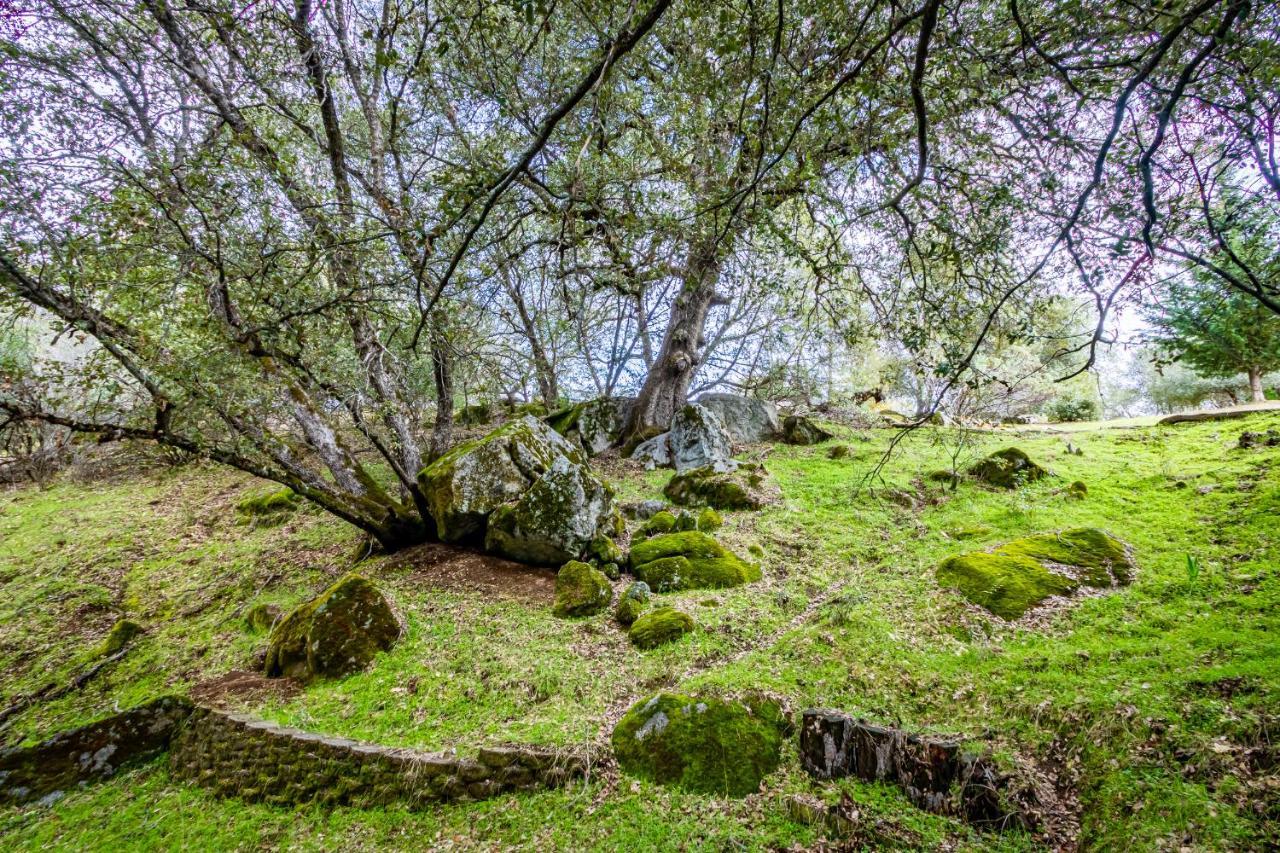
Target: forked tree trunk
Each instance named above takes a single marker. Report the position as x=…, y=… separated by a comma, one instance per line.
x=1256, y=392
x=666, y=387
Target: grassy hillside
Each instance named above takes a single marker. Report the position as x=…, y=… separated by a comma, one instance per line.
x=1155, y=705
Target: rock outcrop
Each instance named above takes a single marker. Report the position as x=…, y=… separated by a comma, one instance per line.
x=747, y=419
x=698, y=439
x=335, y=634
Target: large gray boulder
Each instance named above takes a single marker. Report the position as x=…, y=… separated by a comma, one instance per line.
x=698, y=439
x=566, y=515
x=595, y=424
x=464, y=486
x=746, y=418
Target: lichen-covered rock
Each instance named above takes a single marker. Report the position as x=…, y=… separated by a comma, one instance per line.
x=746, y=418
x=335, y=634
x=595, y=424
x=1021, y=574
x=120, y=635
x=701, y=744
x=581, y=590
x=709, y=521
x=654, y=452
x=698, y=439
x=567, y=514
x=689, y=560
x=744, y=488
x=797, y=429
x=1008, y=469
x=659, y=627
x=464, y=486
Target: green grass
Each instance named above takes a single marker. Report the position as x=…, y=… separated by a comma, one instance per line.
x=1154, y=700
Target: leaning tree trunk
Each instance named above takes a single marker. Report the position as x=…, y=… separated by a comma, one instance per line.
x=1256, y=392
x=666, y=387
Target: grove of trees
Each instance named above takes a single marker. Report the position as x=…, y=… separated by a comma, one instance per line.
x=298, y=233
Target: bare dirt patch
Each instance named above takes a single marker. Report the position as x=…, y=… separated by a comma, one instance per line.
x=462, y=569
x=239, y=686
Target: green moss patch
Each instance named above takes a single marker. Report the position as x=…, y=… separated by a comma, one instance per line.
x=659, y=627
x=121, y=634
x=1023, y=573
x=700, y=744
x=689, y=560
x=264, y=510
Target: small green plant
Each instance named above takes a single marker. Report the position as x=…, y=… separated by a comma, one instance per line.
x=1193, y=571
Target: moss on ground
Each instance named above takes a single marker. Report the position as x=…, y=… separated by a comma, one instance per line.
x=1008, y=586
x=1178, y=670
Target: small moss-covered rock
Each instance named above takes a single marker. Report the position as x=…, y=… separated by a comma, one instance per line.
x=120, y=635
x=838, y=451
x=604, y=550
x=611, y=570
x=261, y=618
x=701, y=744
x=797, y=429
x=1078, y=490
x=660, y=522
x=659, y=627
x=633, y=602
x=581, y=590
x=742, y=488
x=1021, y=574
x=1008, y=469
x=335, y=634
x=685, y=520
x=689, y=560
x=264, y=510
x=709, y=521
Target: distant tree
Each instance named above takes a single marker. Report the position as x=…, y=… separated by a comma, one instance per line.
x=1218, y=333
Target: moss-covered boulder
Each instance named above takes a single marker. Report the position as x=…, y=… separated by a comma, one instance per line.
x=335, y=634
x=632, y=603
x=661, y=522
x=120, y=635
x=659, y=627
x=709, y=521
x=701, y=744
x=797, y=429
x=1078, y=490
x=689, y=560
x=1021, y=574
x=567, y=514
x=595, y=424
x=581, y=590
x=747, y=487
x=267, y=510
x=1008, y=469
x=464, y=486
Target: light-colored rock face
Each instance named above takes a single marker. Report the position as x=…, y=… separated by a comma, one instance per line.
x=556, y=519
x=601, y=422
x=654, y=452
x=473, y=479
x=698, y=439
x=746, y=418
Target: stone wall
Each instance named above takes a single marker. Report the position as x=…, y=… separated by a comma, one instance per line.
x=937, y=775
x=90, y=753
x=261, y=761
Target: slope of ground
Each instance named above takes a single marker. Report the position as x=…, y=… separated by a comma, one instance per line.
x=1154, y=706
